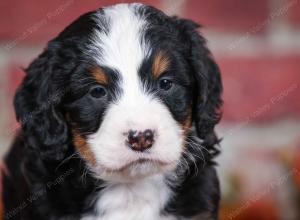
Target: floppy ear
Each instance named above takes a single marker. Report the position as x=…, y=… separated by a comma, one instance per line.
x=206, y=73
x=37, y=109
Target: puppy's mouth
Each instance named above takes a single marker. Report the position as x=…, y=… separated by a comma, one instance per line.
x=134, y=170
x=138, y=163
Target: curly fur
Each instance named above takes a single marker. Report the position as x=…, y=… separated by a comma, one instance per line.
x=48, y=178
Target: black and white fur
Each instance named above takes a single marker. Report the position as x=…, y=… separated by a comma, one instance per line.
x=174, y=179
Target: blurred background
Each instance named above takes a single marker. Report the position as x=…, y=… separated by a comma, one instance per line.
x=257, y=45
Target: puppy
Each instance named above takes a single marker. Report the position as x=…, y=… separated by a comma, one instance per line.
x=117, y=122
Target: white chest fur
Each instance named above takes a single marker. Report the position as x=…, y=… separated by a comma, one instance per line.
x=142, y=200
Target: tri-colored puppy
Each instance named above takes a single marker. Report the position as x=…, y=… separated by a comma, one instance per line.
x=118, y=117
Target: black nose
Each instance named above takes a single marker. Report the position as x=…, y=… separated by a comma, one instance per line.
x=140, y=140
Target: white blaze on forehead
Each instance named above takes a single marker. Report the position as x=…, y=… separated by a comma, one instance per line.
x=122, y=47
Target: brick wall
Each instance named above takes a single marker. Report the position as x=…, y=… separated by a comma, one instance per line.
x=255, y=42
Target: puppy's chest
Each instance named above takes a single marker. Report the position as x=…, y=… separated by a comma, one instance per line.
x=143, y=200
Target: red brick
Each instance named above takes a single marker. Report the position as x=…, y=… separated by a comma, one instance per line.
x=15, y=75
x=27, y=21
x=261, y=88
x=230, y=15
x=294, y=14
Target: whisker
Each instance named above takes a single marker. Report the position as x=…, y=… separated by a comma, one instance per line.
x=67, y=159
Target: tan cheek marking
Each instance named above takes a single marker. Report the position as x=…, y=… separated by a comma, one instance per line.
x=160, y=64
x=185, y=126
x=99, y=75
x=83, y=148
x=187, y=123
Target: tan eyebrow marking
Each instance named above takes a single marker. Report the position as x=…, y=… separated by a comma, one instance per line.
x=160, y=64
x=99, y=75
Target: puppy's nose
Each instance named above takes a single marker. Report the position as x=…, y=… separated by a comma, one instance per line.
x=140, y=140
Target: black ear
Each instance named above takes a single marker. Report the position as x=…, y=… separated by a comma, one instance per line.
x=206, y=73
x=37, y=109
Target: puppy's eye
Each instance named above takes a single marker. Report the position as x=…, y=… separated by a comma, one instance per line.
x=165, y=84
x=98, y=92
